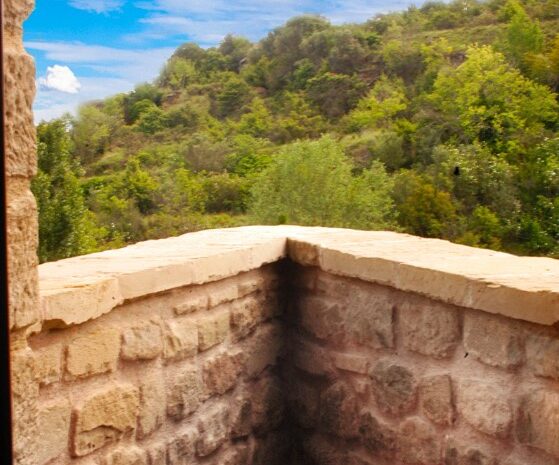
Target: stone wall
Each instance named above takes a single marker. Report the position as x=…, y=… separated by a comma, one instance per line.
x=303, y=346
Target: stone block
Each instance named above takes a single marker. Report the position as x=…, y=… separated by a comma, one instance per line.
x=464, y=452
x=94, y=352
x=429, y=328
x=241, y=417
x=267, y=405
x=436, y=399
x=129, y=455
x=538, y=420
x=48, y=361
x=485, y=406
x=196, y=300
x=493, y=340
x=157, y=454
x=246, y=314
x=394, y=387
x=312, y=359
x=54, y=429
x=142, y=342
x=339, y=411
x=378, y=438
x=542, y=353
x=104, y=417
x=181, y=448
x=152, y=405
x=234, y=456
x=223, y=292
x=355, y=363
x=222, y=371
x=418, y=443
x=184, y=391
x=213, y=429
x=180, y=338
x=213, y=328
x=263, y=348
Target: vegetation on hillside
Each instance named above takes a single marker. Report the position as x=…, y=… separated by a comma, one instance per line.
x=440, y=121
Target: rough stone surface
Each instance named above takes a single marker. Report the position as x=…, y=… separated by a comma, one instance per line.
x=157, y=454
x=418, y=443
x=542, y=353
x=54, y=426
x=180, y=449
x=538, y=421
x=142, y=342
x=378, y=438
x=339, y=411
x=246, y=314
x=152, y=405
x=94, y=352
x=395, y=387
x=213, y=429
x=180, y=339
x=213, y=329
x=263, y=348
x=104, y=417
x=429, y=328
x=48, y=361
x=241, y=417
x=268, y=405
x=485, y=406
x=184, y=392
x=467, y=453
x=221, y=372
x=493, y=340
x=130, y=455
x=436, y=399
x=196, y=301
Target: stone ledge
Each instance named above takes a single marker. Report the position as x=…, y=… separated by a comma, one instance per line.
x=83, y=288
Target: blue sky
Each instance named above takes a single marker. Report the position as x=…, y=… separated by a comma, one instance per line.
x=90, y=49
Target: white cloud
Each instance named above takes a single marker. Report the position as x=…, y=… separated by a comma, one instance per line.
x=60, y=78
x=97, y=6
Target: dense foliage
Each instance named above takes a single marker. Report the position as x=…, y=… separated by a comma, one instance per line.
x=441, y=121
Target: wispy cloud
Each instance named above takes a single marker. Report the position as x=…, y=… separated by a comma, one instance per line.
x=61, y=79
x=97, y=6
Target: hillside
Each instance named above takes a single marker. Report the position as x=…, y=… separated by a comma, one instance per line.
x=440, y=121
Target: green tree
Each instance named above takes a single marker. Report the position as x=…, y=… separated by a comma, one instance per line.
x=335, y=94
x=65, y=226
x=90, y=133
x=311, y=183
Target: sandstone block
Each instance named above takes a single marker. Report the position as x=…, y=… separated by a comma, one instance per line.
x=104, y=417
x=467, y=453
x=538, y=421
x=54, y=429
x=542, y=354
x=223, y=292
x=184, y=391
x=157, y=454
x=94, y=352
x=152, y=405
x=222, y=371
x=213, y=329
x=429, y=328
x=418, y=443
x=493, y=340
x=378, y=438
x=129, y=455
x=180, y=339
x=485, y=406
x=234, y=456
x=196, y=300
x=435, y=394
x=339, y=411
x=213, y=429
x=263, y=348
x=142, y=342
x=355, y=363
x=246, y=314
x=394, y=387
x=180, y=449
x=49, y=364
x=241, y=417
x=267, y=405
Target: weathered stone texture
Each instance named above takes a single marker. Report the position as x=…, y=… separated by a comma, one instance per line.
x=542, y=353
x=241, y=417
x=263, y=348
x=339, y=411
x=464, y=452
x=104, y=417
x=152, y=404
x=49, y=364
x=378, y=438
x=157, y=454
x=395, y=387
x=180, y=449
x=196, y=300
x=246, y=314
x=213, y=429
x=268, y=405
x=129, y=455
x=142, y=342
x=436, y=399
x=429, y=328
x=538, y=421
x=213, y=329
x=54, y=429
x=94, y=352
x=184, y=392
x=418, y=443
x=221, y=372
x=181, y=338
x=493, y=340
x=485, y=406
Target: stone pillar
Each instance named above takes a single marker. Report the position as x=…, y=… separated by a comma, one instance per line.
x=21, y=163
